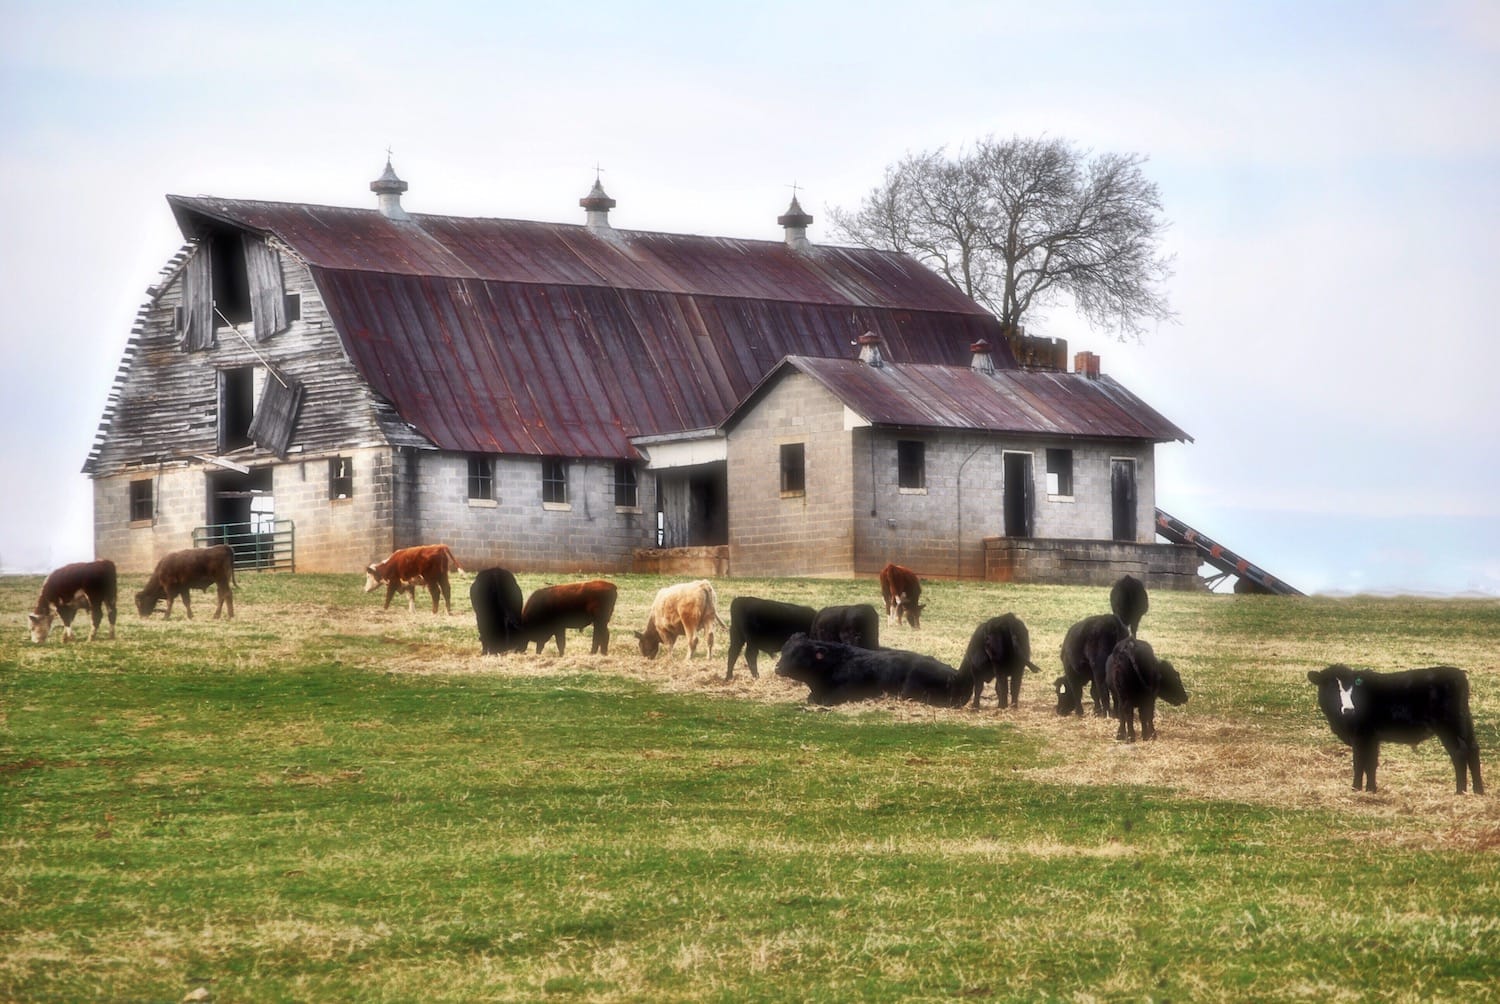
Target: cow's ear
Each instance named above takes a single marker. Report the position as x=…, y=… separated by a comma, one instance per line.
x=1315, y=677
x=34, y=618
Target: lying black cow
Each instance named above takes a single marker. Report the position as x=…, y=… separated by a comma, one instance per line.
x=496, y=599
x=1363, y=708
x=999, y=650
x=836, y=673
x=758, y=625
x=1129, y=601
x=857, y=625
x=1136, y=679
x=1085, y=653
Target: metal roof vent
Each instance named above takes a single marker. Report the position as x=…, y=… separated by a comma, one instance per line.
x=869, y=350
x=388, y=188
x=597, y=206
x=796, y=223
x=982, y=362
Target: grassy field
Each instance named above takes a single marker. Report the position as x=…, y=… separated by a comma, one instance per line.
x=322, y=800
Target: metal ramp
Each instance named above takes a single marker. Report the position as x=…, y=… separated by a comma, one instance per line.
x=1226, y=561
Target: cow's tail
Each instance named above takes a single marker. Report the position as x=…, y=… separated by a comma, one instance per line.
x=713, y=603
x=453, y=565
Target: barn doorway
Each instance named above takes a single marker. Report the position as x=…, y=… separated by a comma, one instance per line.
x=1122, y=498
x=242, y=512
x=693, y=507
x=1019, y=495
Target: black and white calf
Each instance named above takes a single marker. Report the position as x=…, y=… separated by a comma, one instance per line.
x=757, y=625
x=836, y=673
x=1364, y=707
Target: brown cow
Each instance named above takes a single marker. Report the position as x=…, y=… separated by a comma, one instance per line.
x=181, y=571
x=88, y=584
x=902, y=590
x=681, y=610
x=551, y=610
x=410, y=567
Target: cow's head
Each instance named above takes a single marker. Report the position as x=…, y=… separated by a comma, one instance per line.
x=1336, y=688
x=1069, y=698
x=373, y=578
x=649, y=640
x=145, y=602
x=913, y=611
x=1171, y=690
x=41, y=624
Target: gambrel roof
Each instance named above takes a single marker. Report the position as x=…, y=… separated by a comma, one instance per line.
x=510, y=336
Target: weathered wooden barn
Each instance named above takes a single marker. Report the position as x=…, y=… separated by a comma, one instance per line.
x=320, y=385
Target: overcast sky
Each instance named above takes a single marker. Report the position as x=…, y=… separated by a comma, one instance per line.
x=1331, y=171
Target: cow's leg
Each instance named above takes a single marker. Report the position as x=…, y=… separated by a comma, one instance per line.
x=1126, y=713
x=750, y=657
x=98, y=618
x=1366, y=755
x=1015, y=688
x=433, y=590
x=601, y=640
x=219, y=606
x=1148, y=719
x=736, y=642
x=390, y=591
x=229, y=599
x=1462, y=753
x=447, y=597
x=562, y=640
x=187, y=602
x=978, y=690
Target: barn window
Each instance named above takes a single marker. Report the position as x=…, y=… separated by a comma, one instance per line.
x=236, y=407
x=554, y=482
x=1060, y=473
x=341, y=477
x=292, y=307
x=141, y=498
x=481, y=479
x=627, y=489
x=793, y=469
x=231, y=279
x=911, y=465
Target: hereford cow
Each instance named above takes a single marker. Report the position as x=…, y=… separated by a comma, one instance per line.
x=88, y=584
x=1136, y=679
x=999, y=650
x=836, y=673
x=182, y=571
x=496, y=599
x=680, y=610
x=1085, y=654
x=758, y=625
x=901, y=590
x=1363, y=708
x=410, y=567
x=551, y=610
x=857, y=625
x=1129, y=601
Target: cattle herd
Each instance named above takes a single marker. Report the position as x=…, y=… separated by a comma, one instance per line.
x=835, y=652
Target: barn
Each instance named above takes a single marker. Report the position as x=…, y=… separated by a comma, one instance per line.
x=319, y=385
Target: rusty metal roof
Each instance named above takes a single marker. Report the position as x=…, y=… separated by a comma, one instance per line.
x=959, y=398
x=510, y=336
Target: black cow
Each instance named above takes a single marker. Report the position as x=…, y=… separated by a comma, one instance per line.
x=999, y=650
x=1129, y=601
x=1085, y=653
x=1363, y=708
x=758, y=625
x=857, y=625
x=836, y=673
x=1136, y=679
x=496, y=599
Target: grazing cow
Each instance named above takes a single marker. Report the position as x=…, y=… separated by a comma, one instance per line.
x=758, y=625
x=496, y=599
x=1363, y=708
x=681, y=610
x=836, y=673
x=1136, y=679
x=410, y=567
x=182, y=571
x=1129, y=601
x=999, y=650
x=88, y=584
x=1085, y=653
x=551, y=610
x=857, y=624
x=902, y=590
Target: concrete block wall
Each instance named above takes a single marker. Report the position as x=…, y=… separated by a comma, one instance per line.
x=180, y=501
x=1090, y=562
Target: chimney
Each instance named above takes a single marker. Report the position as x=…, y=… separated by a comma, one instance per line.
x=597, y=206
x=389, y=188
x=982, y=362
x=1086, y=363
x=869, y=350
x=796, y=223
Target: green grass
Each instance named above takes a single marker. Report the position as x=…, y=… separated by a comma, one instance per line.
x=322, y=800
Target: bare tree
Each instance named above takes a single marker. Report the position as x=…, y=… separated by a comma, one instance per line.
x=1018, y=223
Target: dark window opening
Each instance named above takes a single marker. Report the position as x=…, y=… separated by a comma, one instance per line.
x=1017, y=494
x=231, y=279
x=293, y=307
x=141, y=499
x=481, y=478
x=793, y=469
x=554, y=482
x=627, y=491
x=911, y=464
x=341, y=478
x=1060, y=472
x=236, y=407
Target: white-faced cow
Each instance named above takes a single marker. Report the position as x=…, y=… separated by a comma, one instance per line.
x=683, y=609
x=551, y=610
x=182, y=571
x=757, y=625
x=836, y=673
x=496, y=599
x=999, y=650
x=1364, y=708
x=410, y=567
x=88, y=584
x=1136, y=679
x=902, y=592
x=1129, y=601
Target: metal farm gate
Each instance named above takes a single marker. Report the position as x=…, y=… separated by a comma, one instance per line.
x=266, y=545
